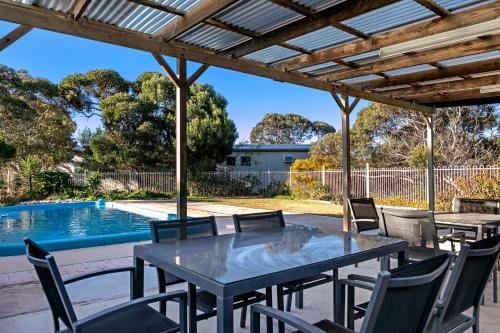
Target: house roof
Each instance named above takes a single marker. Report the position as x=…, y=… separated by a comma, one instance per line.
x=331, y=45
x=271, y=147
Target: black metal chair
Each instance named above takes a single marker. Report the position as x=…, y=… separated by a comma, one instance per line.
x=418, y=228
x=271, y=220
x=134, y=316
x=465, y=287
x=206, y=303
x=364, y=214
x=389, y=309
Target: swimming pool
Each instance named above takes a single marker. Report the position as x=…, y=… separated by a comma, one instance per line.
x=71, y=225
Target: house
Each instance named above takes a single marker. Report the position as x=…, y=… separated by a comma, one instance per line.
x=257, y=157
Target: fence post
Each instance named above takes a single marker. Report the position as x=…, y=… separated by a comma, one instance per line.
x=323, y=176
x=290, y=178
x=367, y=184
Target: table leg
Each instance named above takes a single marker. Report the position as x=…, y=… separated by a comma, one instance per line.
x=192, y=322
x=479, y=234
x=269, y=302
x=495, y=283
x=338, y=309
x=225, y=315
x=385, y=263
x=402, y=258
x=137, y=285
x=281, y=306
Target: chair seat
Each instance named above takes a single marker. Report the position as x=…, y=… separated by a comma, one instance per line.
x=330, y=327
x=207, y=302
x=422, y=253
x=457, y=321
x=318, y=278
x=132, y=320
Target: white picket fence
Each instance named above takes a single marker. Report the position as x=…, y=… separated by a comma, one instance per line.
x=379, y=183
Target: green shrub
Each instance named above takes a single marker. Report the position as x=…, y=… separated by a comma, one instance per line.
x=278, y=188
x=219, y=185
x=479, y=186
x=94, y=180
x=53, y=182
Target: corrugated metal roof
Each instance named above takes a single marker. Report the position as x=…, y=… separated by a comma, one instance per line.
x=408, y=70
x=388, y=17
x=469, y=59
x=212, y=37
x=58, y=5
x=452, y=5
x=318, y=5
x=363, y=56
x=272, y=54
x=257, y=15
x=322, y=38
x=361, y=79
x=317, y=69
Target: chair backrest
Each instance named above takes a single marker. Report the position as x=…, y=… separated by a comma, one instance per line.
x=258, y=221
x=481, y=206
x=52, y=284
x=166, y=231
x=403, y=299
x=470, y=275
x=417, y=227
x=363, y=210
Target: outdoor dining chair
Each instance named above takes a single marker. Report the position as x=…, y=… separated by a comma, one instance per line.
x=418, y=228
x=132, y=317
x=206, y=303
x=465, y=287
x=364, y=214
x=270, y=220
x=402, y=301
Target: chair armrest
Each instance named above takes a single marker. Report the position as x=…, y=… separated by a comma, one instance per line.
x=281, y=316
x=97, y=273
x=459, y=234
x=363, y=278
x=178, y=296
x=358, y=284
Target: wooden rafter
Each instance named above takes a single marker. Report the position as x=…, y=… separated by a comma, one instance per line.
x=449, y=86
x=14, y=35
x=454, y=21
x=442, y=97
x=79, y=8
x=159, y=6
x=293, y=6
x=195, y=16
x=350, y=30
x=433, y=6
x=467, y=48
x=483, y=66
x=337, y=13
x=57, y=22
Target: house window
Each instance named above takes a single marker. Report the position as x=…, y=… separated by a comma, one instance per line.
x=246, y=161
x=288, y=159
x=230, y=161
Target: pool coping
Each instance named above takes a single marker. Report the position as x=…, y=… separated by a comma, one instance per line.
x=18, y=248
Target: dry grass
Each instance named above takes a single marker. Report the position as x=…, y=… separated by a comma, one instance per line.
x=287, y=205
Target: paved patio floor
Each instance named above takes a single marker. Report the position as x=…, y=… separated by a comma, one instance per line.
x=23, y=307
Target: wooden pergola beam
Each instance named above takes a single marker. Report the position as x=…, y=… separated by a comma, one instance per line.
x=193, y=17
x=461, y=49
x=79, y=8
x=483, y=66
x=450, y=86
x=433, y=6
x=442, y=97
x=55, y=21
x=158, y=6
x=166, y=67
x=337, y=13
x=13, y=36
x=454, y=21
x=293, y=6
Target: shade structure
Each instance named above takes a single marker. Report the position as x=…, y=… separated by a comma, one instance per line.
x=331, y=45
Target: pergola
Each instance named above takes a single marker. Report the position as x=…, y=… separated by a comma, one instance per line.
x=413, y=54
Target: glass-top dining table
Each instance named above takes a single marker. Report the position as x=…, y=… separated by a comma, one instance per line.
x=232, y=264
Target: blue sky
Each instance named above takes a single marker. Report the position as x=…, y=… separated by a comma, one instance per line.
x=54, y=56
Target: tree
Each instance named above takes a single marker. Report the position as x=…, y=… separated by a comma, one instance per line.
x=289, y=128
x=390, y=136
x=35, y=119
x=139, y=121
x=7, y=150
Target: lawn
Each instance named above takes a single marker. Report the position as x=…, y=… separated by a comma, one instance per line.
x=287, y=205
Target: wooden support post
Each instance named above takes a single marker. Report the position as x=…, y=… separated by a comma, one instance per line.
x=430, y=163
x=180, y=145
x=346, y=108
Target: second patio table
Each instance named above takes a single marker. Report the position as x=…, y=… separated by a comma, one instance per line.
x=232, y=264
x=468, y=220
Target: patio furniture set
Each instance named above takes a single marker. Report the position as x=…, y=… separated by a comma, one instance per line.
x=227, y=272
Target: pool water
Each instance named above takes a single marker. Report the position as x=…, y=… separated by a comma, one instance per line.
x=70, y=225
